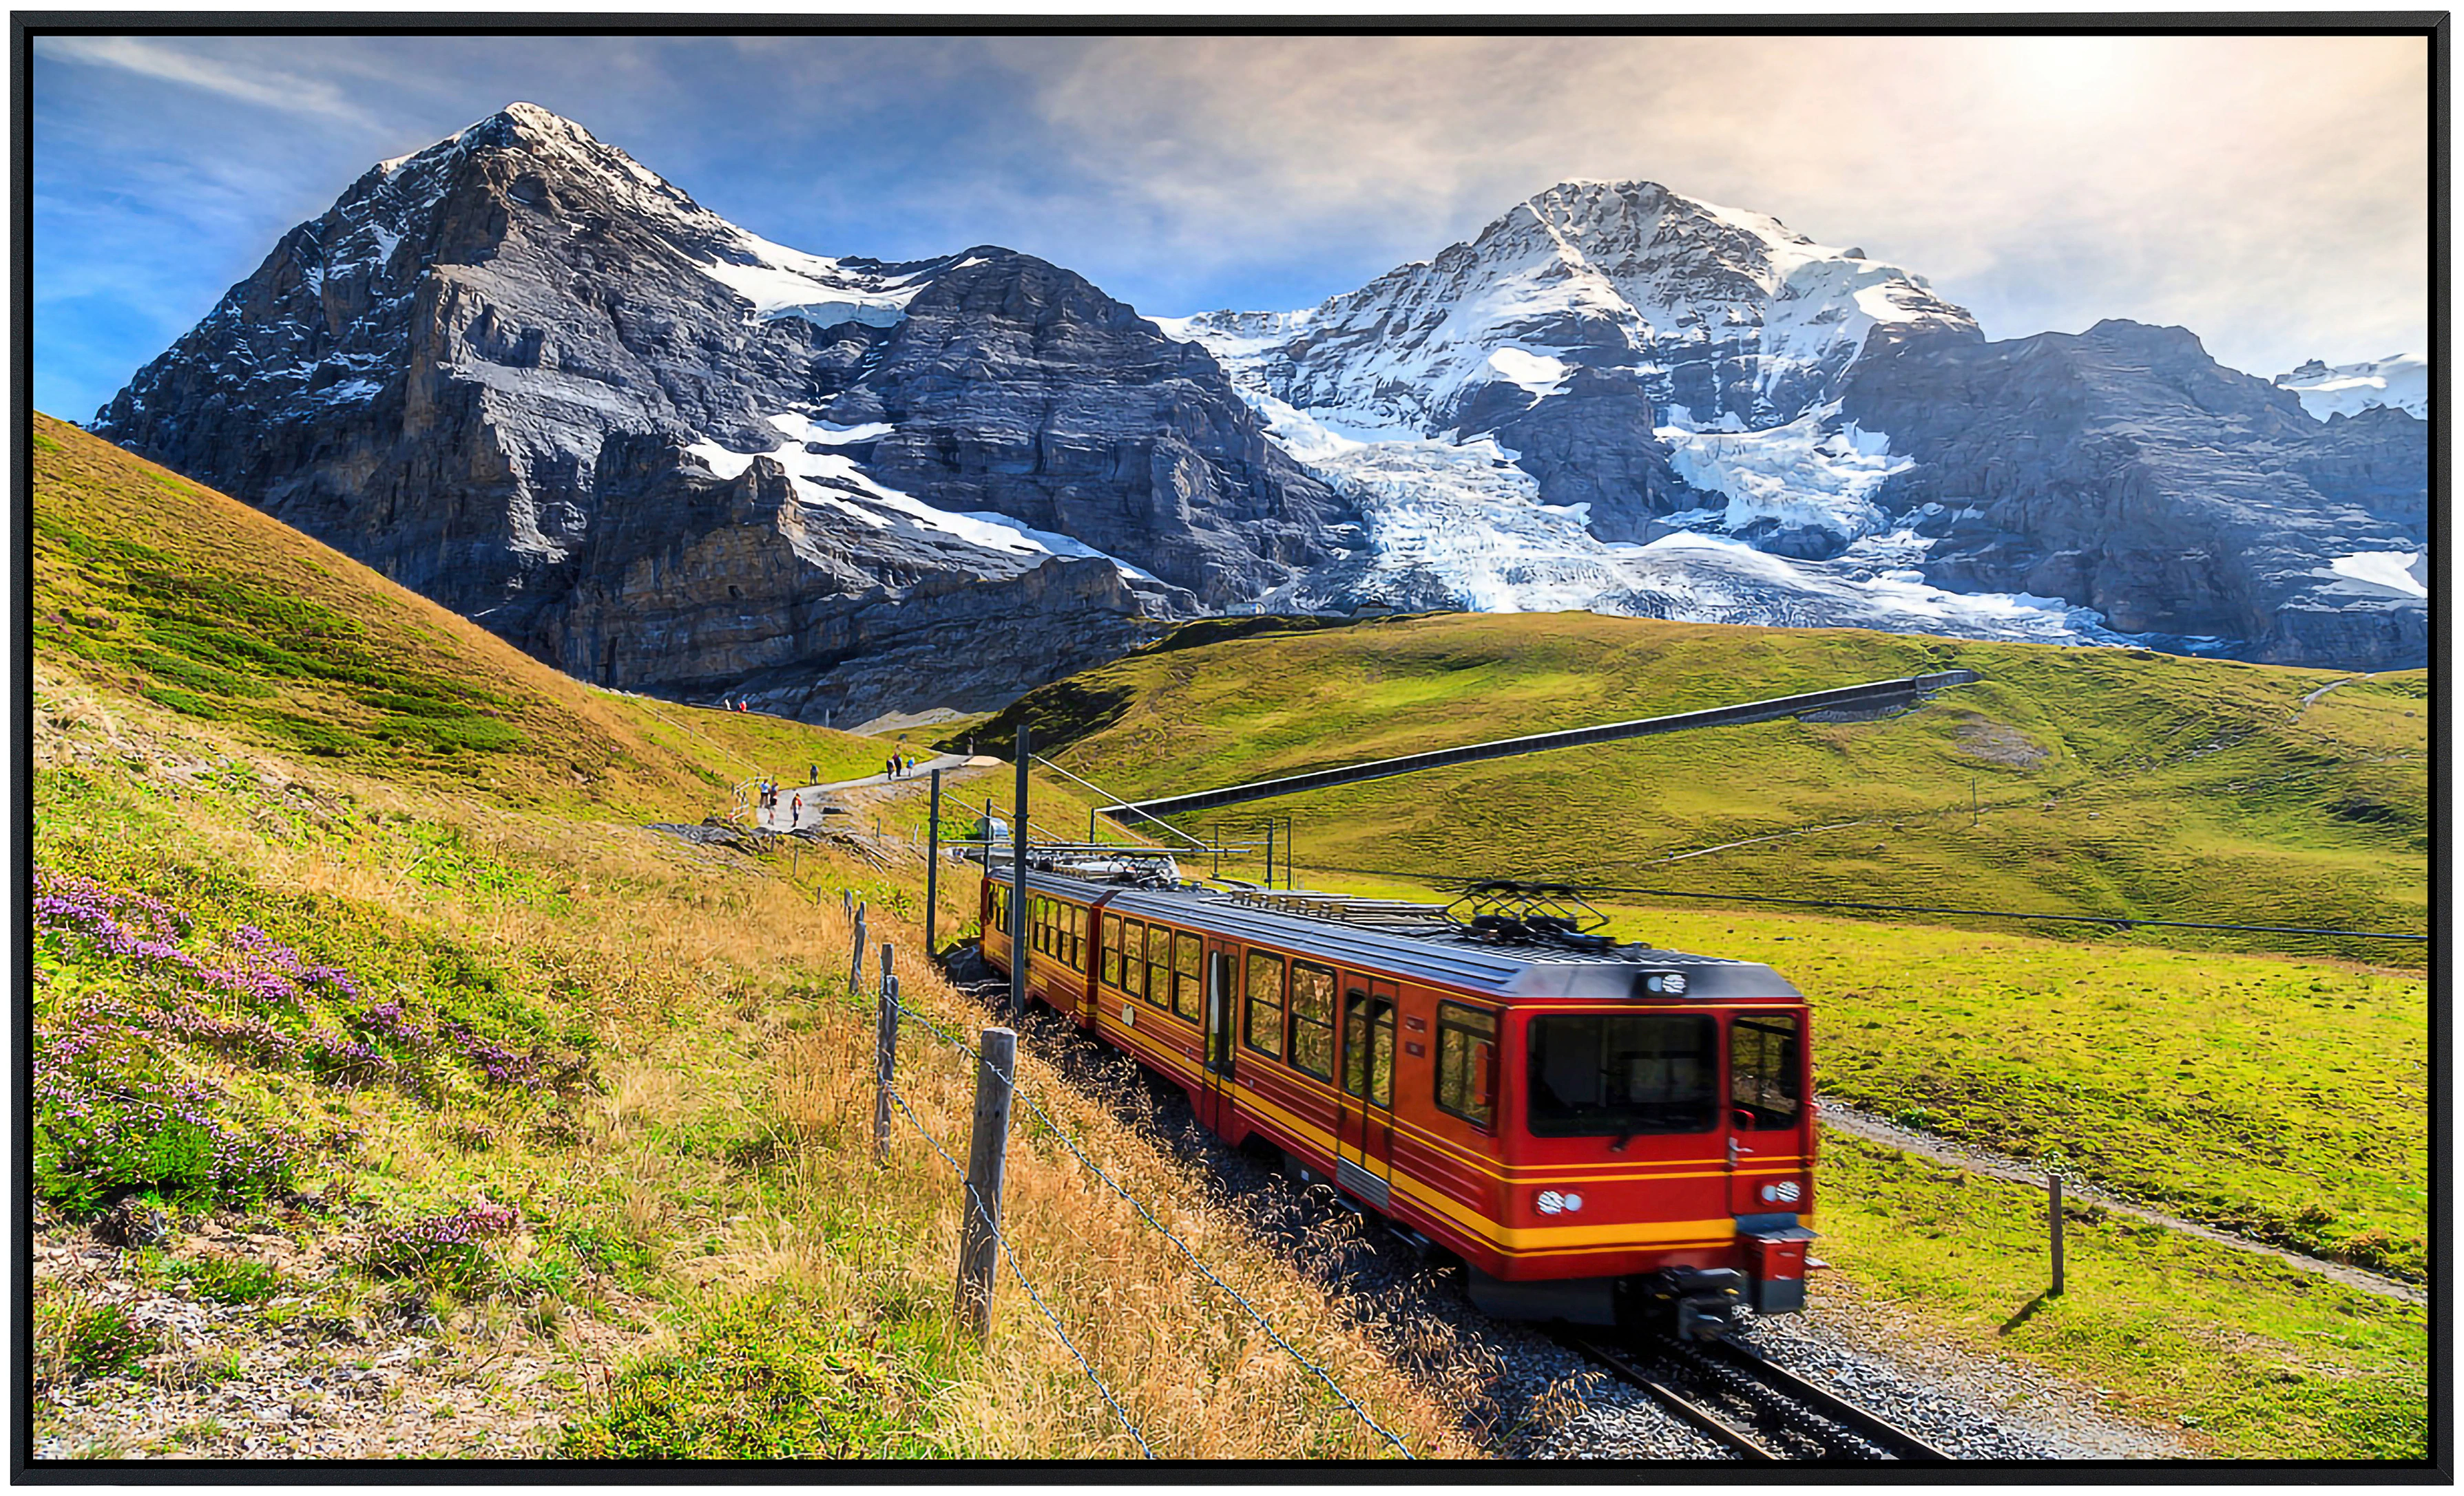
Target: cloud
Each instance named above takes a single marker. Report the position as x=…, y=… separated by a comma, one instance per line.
x=2269, y=191
x=271, y=88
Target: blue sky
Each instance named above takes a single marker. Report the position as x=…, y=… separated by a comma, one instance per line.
x=2269, y=194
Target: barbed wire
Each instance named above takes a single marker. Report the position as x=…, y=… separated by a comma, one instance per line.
x=1070, y=1143
x=1009, y=1255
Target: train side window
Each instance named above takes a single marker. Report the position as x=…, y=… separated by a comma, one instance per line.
x=1035, y=920
x=1763, y=1071
x=1112, y=950
x=1073, y=933
x=1263, y=1031
x=1369, y=1048
x=1189, y=960
x=1312, y=1047
x=1000, y=908
x=1158, y=966
x=1134, y=962
x=1467, y=1064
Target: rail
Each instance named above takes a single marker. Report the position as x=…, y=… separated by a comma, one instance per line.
x=1787, y=1409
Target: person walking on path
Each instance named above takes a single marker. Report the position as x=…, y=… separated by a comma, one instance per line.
x=796, y=813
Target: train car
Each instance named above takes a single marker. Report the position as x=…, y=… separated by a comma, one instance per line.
x=1606, y=1135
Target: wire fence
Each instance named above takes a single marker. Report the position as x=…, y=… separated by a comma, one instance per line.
x=1009, y=1255
x=1195, y=1261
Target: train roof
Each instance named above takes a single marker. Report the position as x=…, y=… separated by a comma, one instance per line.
x=1451, y=960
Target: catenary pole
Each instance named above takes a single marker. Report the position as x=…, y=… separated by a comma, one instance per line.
x=1018, y=946
x=933, y=866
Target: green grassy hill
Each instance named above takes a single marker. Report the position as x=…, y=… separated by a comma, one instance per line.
x=148, y=585
x=486, y=1122
x=2097, y=781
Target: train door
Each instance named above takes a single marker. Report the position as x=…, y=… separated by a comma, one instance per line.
x=1365, y=1126
x=1214, y=1053
x=1766, y=1113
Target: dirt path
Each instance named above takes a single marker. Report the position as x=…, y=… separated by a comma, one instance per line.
x=782, y=815
x=2002, y=1166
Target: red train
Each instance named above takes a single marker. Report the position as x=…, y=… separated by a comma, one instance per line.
x=1605, y=1134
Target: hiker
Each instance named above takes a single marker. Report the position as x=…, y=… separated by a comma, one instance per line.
x=796, y=812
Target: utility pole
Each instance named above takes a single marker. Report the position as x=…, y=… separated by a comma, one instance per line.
x=1018, y=947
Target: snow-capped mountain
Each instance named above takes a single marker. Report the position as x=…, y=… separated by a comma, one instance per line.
x=2400, y=381
x=1617, y=398
x=525, y=375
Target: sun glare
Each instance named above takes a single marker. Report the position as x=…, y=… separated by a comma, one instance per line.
x=2068, y=75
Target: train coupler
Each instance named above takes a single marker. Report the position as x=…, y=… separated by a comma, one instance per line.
x=1697, y=1303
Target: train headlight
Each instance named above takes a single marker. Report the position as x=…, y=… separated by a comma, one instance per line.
x=1785, y=1193
x=1550, y=1202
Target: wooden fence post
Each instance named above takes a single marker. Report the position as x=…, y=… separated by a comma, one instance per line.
x=2053, y=1224
x=987, y=1159
x=884, y=1061
x=855, y=967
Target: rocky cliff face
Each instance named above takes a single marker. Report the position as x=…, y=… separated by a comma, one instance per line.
x=2124, y=468
x=525, y=375
x=1613, y=389
x=529, y=378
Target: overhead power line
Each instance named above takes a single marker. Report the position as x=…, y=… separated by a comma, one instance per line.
x=2118, y=921
x=1846, y=703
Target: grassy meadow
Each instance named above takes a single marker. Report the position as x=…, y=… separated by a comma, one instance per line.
x=485, y=1120
x=2073, y=781
x=2274, y=1085
x=488, y=1121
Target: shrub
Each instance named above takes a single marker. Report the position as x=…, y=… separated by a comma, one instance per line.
x=83, y=1340
x=445, y=1249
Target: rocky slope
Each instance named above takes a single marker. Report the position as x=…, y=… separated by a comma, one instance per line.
x=1617, y=398
x=524, y=375
x=2125, y=470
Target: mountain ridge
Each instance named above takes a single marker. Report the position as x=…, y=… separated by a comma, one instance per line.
x=529, y=377
x=490, y=347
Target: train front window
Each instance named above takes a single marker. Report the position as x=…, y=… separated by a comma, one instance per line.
x=1616, y=1074
x=1763, y=1071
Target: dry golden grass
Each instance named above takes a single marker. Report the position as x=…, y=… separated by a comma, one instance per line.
x=732, y=1144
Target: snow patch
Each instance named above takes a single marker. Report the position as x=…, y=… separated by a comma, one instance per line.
x=2400, y=380
x=782, y=282
x=1812, y=473
x=2399, y=571
x=832, y=480
x=1536, y=372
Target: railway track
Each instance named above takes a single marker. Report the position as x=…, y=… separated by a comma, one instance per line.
x=1762, y=1410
